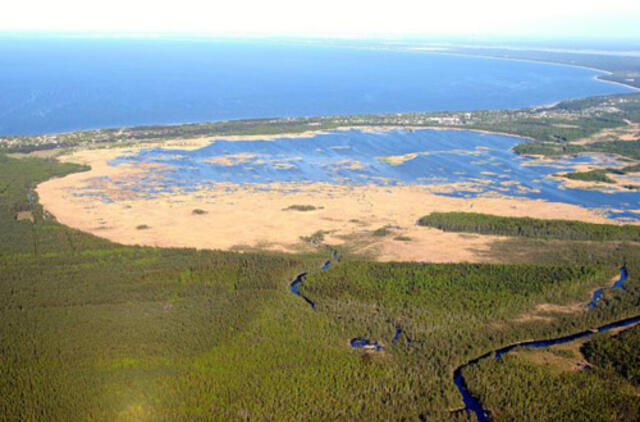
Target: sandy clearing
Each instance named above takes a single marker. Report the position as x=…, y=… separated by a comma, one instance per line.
x=572, y=361
x=24, y=216
x=543, y=312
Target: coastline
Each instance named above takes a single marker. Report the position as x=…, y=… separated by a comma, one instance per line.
x=424, y=50
x=548, y=62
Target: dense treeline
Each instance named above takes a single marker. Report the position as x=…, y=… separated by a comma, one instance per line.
x=590, y=176
x=556, y=130
x=548, y=148
x=528, y=227
x=93, y=330
x=620, y=353
x=455, y=312
x=17, y=181
x=629, y=149
x=601, y=175
x=514, y=389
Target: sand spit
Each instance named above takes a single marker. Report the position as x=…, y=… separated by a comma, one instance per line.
x=108, y=201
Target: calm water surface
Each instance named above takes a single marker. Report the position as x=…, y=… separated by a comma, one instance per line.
x=54, y=85
x=469, y=163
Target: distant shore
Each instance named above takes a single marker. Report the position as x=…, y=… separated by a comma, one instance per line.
x=441, y=52
x=549, y=62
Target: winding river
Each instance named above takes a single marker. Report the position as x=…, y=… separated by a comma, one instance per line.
x=471, y=403
x=357, y=342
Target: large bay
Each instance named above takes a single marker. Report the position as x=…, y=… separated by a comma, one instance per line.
x=64, y=84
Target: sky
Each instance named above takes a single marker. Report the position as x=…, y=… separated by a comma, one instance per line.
x=331, y=18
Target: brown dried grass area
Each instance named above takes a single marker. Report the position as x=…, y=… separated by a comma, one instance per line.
x=248, y=217
x=24, y=216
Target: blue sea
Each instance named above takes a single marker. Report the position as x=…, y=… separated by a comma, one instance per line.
x=63, y=84
x=477, y=163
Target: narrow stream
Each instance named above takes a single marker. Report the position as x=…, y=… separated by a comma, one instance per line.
x=357, y=342
x=472, y=404
x=617, y=285
x=295, y=289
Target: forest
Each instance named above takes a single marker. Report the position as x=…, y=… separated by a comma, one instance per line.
x=551, y=394
x=617, y=353
x=96, y=331
x=470, y=222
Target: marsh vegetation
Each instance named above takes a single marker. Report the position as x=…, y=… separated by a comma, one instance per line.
x=93, y=330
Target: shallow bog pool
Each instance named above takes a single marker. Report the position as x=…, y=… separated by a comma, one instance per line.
x=452, y=162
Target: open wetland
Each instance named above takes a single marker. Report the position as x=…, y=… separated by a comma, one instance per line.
x=362, y=189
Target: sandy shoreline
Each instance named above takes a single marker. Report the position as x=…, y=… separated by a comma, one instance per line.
x=524, y=60
x=234, y=217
